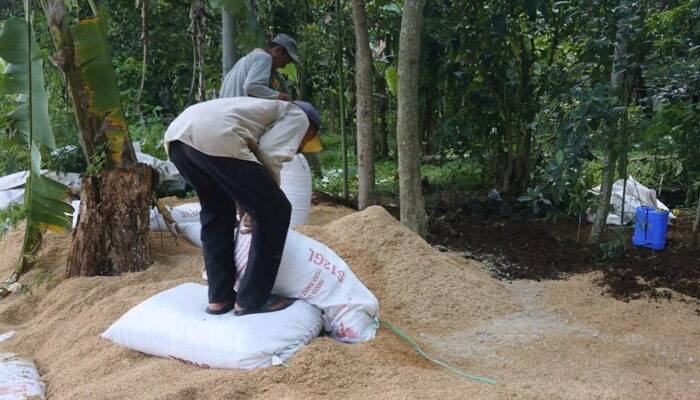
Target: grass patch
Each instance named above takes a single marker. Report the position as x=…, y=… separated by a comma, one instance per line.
x=10, y=217
x=457, y=174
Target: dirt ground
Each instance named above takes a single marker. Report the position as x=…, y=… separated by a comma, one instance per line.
x=539, y=250
x=552, y=339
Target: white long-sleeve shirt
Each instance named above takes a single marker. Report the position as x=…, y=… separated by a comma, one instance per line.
x=221, y=128
x=250, y=76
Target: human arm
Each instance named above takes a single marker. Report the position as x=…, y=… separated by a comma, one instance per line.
x=257, y=82
x=281, y=142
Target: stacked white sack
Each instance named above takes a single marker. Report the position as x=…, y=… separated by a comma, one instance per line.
x=173, y=324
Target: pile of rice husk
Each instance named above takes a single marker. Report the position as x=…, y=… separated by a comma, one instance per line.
x=450, y=305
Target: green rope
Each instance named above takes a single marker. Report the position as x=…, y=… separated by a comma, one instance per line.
x=425, y=355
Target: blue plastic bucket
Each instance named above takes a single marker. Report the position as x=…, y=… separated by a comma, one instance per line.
x=650, y=228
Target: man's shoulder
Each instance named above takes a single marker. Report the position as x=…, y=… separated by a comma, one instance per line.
x=259, y=54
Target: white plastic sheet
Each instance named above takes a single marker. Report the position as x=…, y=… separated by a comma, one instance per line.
x=12, y=186
x=636, y=195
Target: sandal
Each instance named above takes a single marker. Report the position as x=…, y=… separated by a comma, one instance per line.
x=222, y=310
x=271, y=305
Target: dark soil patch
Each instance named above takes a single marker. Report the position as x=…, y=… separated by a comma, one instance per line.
x=535, y=249
x=519, y=248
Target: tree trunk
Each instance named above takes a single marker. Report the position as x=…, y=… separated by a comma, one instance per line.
x=111, y=235
x=408, y=128
x=112, y=231
x=331, y=115
x=363, y=81
x=696, y=226
x=620, y=82
x=383, y=126
x=601, y=215
x=145, y=39
x=228, y=41
x=428, y=127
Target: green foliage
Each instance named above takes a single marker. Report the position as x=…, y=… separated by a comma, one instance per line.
x=98, y=161
x=616, y=241
x=10, y=217
x=23, y=78
x=149, y=134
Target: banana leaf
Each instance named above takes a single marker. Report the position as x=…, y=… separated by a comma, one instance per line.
x=14, y=50
x=100, y=83
x=22, y=78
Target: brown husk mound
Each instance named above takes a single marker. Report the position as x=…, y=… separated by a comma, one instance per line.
x=556, y=340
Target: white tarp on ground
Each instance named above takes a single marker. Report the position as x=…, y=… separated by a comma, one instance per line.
x=173, y=324
x=169, y=178
x=12, y=186
x=19, y=379
x=636, y=195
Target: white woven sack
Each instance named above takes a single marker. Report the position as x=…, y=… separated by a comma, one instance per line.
x=296, y=185
x=173, y=324
x=311, y=271
x=19, y=379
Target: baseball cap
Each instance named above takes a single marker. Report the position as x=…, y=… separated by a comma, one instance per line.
x=313, y=146
x=289, y=44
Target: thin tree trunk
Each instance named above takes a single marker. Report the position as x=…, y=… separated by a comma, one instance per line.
x=332, y=115
x=620, y=82
x=696, y=226
x=428, y=127
x=341, y=101
x=145, y=38
x=383, y=149
x=365, y=118
x=601, y=215
x=408, y=128
x=228, y=41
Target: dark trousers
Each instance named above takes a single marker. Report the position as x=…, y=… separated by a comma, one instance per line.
x=221, y=183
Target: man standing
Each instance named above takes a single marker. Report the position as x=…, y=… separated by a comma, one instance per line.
x=231, y=151
x=250, y=76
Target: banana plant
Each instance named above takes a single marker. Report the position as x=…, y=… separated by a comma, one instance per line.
x=22, y=78
x=100, y=86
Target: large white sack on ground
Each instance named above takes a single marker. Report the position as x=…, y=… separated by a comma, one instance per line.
x=309, y=270
x=173, y=324
x=19, y=379
x=183, y=213
x=296, y=185
x=636, y=195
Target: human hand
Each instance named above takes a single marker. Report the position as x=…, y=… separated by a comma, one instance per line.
x=252, y=144
x=247, y=224
x=283, y=97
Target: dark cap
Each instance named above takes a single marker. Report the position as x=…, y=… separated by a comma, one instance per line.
x=289, y=44
x=310, y=112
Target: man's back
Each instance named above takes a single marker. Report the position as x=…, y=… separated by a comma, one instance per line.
x=250, y=76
